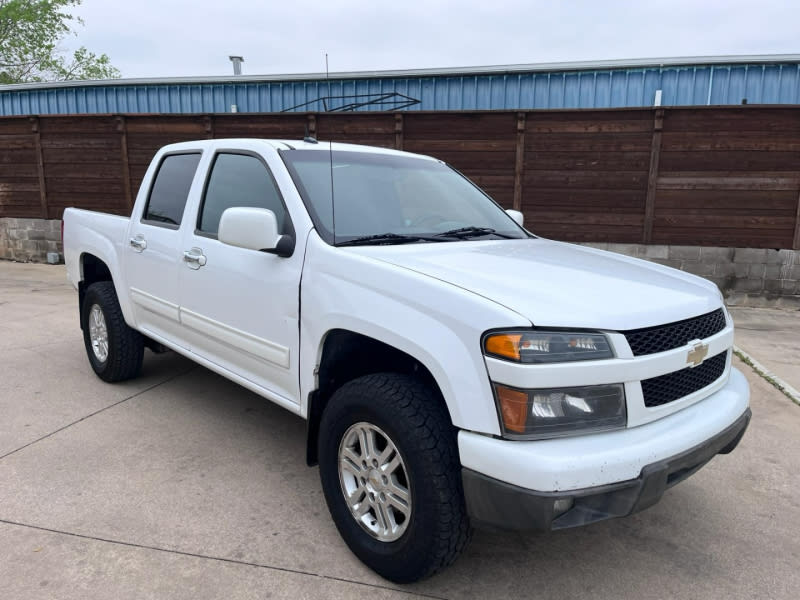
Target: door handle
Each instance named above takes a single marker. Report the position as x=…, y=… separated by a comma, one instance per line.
x=138, y=243
x=194, y=258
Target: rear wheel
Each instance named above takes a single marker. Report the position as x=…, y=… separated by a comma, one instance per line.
x=391, y=476
x=115, y=350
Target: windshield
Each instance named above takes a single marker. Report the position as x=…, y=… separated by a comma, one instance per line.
x=377, y=194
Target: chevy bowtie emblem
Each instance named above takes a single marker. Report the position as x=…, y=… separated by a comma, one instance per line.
x=697, y=353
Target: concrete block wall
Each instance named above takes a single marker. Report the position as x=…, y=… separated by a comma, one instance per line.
x=746, y=276
x=29, y=240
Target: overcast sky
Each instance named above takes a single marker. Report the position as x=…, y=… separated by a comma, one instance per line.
x=159, y=38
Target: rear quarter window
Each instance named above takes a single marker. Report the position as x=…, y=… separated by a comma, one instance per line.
x=170, y=189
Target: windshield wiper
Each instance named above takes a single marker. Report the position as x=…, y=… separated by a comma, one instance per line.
x=389, y=238
x=472, y=231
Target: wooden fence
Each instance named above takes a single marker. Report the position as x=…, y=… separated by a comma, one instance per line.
x=696, y=176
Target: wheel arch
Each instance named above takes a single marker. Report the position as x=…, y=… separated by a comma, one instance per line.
x=92, y=270
x=345, y=355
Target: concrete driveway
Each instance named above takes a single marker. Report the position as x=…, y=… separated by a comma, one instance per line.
x=772, y=337
x=182, y=485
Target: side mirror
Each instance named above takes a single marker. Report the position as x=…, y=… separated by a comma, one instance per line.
x=518, y=217
x=254, y=229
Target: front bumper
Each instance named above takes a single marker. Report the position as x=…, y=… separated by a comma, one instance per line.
x=595, y=459
x=496, y=504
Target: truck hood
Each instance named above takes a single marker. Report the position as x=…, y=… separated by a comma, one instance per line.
x=559, y=285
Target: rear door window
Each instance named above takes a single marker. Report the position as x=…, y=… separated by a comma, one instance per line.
x=171, y=189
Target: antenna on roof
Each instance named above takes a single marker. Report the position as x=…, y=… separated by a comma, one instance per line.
x=330, y=156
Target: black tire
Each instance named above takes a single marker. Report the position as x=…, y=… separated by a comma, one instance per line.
x=125, y=345
x=415, y=419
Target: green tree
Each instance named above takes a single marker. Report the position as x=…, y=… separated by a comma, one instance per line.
x=31, y=32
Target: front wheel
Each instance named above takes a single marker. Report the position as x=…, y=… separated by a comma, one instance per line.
x=391, y=476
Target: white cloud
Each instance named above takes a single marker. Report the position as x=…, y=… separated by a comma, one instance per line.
x=149, y=38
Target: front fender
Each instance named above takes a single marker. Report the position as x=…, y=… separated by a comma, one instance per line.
x=438, y=324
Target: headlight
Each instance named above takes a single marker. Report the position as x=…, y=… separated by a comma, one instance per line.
x=554, y=412
x=547, y=346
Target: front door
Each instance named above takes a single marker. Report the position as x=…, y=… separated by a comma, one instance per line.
x=239, y=308
x=152, y=252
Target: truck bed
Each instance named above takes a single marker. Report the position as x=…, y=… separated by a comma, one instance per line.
x=98, y=233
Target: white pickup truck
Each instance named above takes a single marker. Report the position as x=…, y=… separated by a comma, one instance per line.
x=453, y=368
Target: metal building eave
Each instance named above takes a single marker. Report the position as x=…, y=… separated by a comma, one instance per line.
x=641, y=63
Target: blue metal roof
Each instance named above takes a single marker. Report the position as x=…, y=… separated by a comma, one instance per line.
x=683, y=82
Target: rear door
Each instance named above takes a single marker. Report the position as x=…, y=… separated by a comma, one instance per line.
x=239, y=308
x=154, y=254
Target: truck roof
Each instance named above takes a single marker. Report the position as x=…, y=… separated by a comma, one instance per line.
x=322, y=146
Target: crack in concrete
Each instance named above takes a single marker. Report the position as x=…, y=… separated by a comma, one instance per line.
x=68, y=425
x=42, y=345
x=220, y=559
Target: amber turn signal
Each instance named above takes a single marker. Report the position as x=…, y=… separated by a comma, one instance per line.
x=504, y=344
x=513, y=408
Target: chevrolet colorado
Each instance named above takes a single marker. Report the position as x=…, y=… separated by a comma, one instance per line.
x=454, y=369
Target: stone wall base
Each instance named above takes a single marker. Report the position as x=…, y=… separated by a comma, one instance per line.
x=746, y=276
x=29, y=240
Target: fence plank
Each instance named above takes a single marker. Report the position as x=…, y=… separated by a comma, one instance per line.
x=398, y=131
x=796, y=241
x=208, y=124
x=126, y=171
x=519, y=166
x=652, y=176
x=37, y=137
